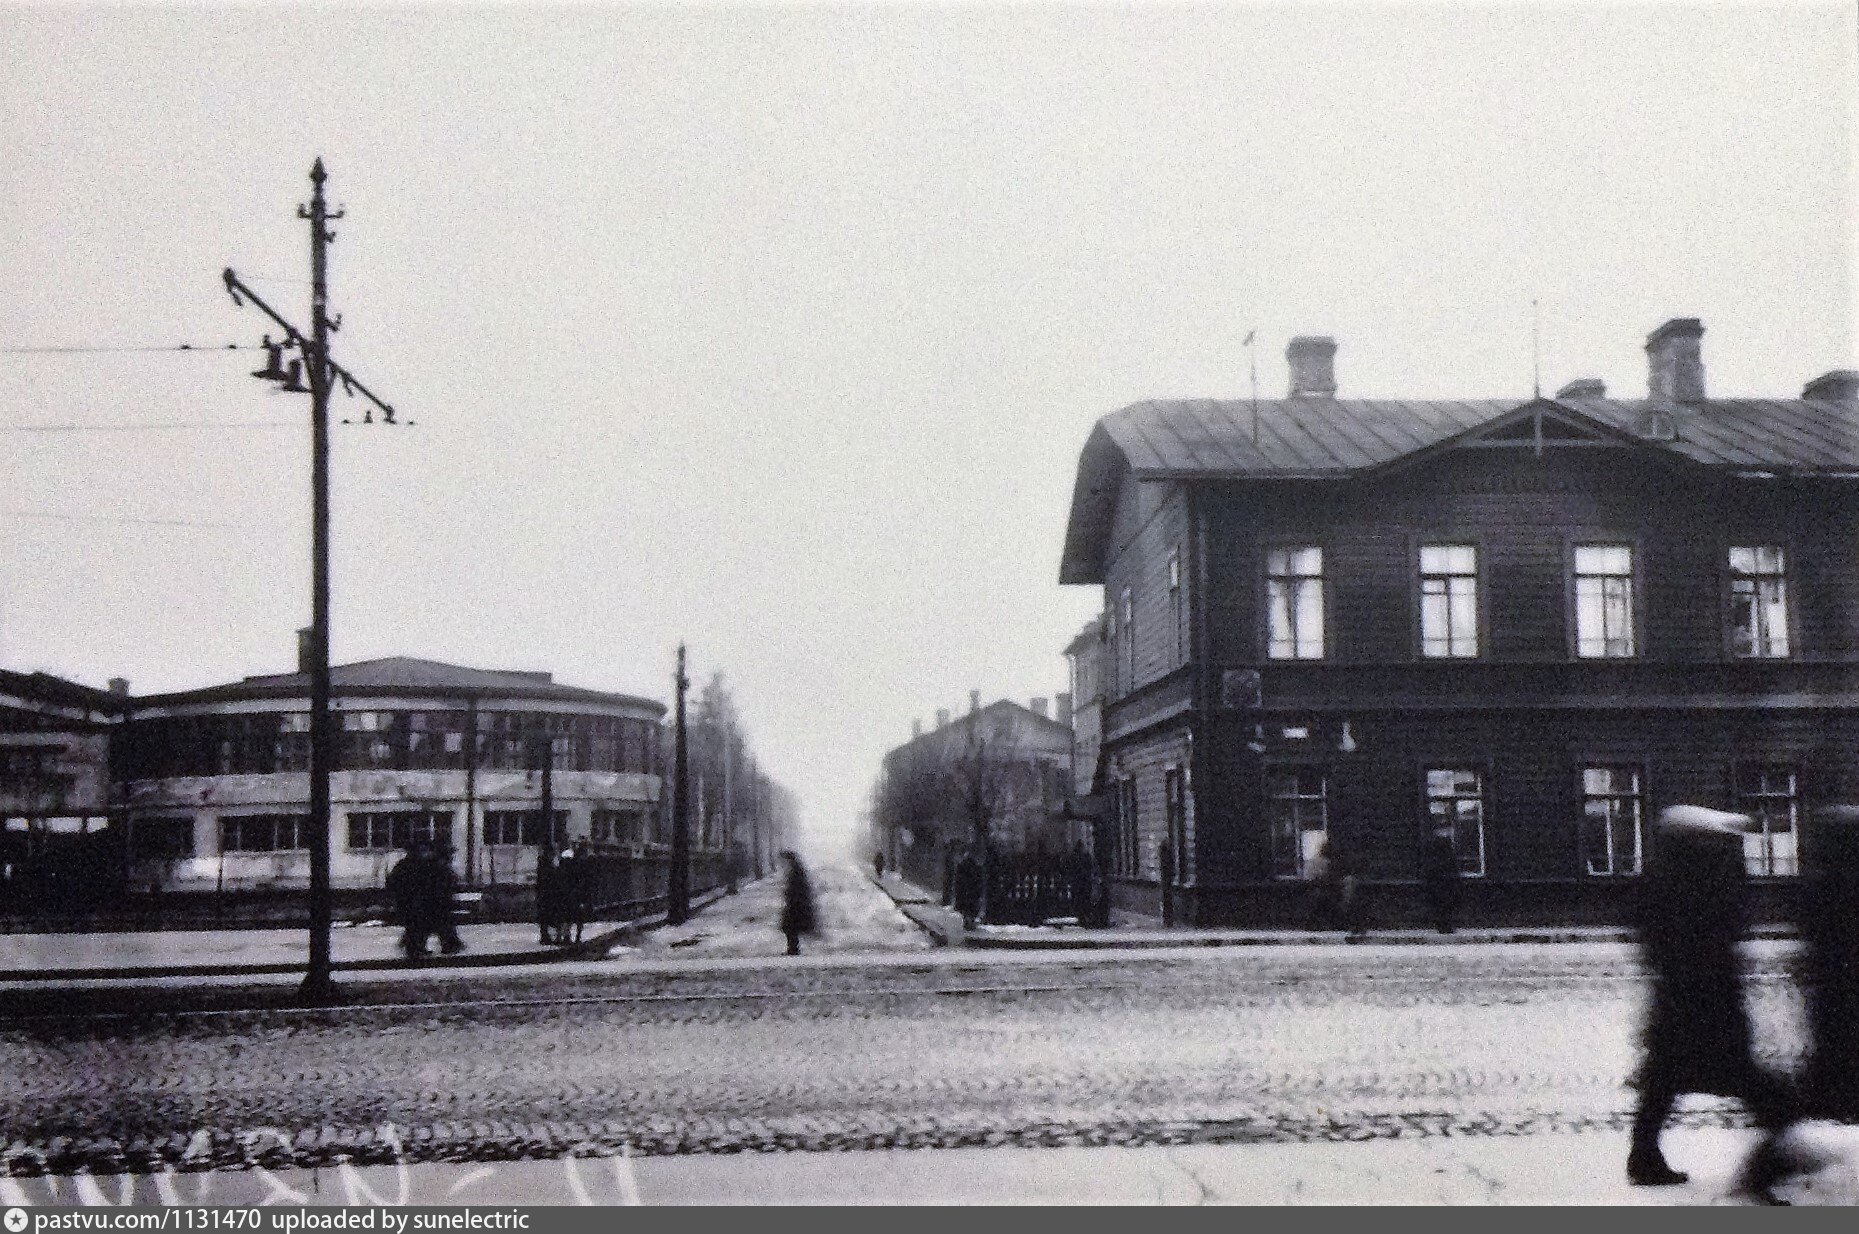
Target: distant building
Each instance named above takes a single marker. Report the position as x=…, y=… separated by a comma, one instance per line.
x=1347, y=624
x=215, y=781
x=1005, y=764
x=55, y=791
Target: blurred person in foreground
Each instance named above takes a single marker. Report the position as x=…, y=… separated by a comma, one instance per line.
x=421, y=889
x=1829, y=922
x=797, y=911
x=1697, y=1037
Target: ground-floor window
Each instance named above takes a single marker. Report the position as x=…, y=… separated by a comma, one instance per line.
x=617, y=827
x=1456, y=801
x=1770, y=794
x=1611, y=813
x=387, y=830
x=263, y=833
x=519, y=827
x=1175, y=798
x=1300, y=819
x=1128, y=857
x=161, y=838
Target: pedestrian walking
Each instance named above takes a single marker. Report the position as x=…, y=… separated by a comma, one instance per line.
x=968, y=888
x=577, y=891
x=797, y=910
x=444, y=893
x=1697, y=1037
x=1829, y=922
x=877, y=864
x=421, y=896
x=1439, y=875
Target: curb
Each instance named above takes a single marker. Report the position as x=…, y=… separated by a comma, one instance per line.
x=592, y=948
x=924, y=913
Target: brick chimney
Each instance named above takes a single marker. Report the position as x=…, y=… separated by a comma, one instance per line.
x=1065, y=708
x=1313, y=370
x=1675, y=366
x=304, y=652
x=1584, y=387
x=974, y=700
x=1039, y=708
x=1841, y=386
x=942, y=717
x=916, y=729
x=119, y=686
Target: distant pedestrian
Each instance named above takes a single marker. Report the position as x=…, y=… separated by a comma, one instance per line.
x=1829, y=921
x=421, y=892
x=797, y=910
x=1439, y=877
x=1697, y=1037
x=968, y=888
x=577, y=878
x=877, y=864
x=445, y=892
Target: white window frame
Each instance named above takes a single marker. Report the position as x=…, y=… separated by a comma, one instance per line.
x=1295, y=844
x=1445, y=809
x=1447, y=590
x=1294, y=602
x=1770, y=791
x=1610, y=595
x=1607, y=863
x=1763, y=586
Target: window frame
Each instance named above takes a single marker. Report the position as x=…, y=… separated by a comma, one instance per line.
x=1640, y=796
x=1728, y=579
x=1417, y=582
x=1177, y=604
x=300, y=832
x=1324, y=798
x=1325, y=632
x=1742, y=803
x=1636, y=601
x=1482, y=769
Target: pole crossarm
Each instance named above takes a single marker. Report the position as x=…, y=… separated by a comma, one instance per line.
x=241, y=292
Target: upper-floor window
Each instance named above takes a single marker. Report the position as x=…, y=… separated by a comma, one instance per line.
x=1611, y=812
x=1770, y=794
x=1448, y=600
x=1177, y=609
x=1127, y=634
x=1603, y=601
x=1456, y=802
x=1758, y=602
x=1294, y=602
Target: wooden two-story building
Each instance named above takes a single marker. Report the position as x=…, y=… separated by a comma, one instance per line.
x=1343, y=624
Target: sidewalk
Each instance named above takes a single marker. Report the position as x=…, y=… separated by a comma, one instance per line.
x=220, y=953
x=1557, y=1168
x=944, y=925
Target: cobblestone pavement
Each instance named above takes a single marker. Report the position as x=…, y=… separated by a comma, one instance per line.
x=1272, y=1044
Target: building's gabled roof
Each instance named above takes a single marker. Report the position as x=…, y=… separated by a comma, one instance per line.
x=1001, y=711
x=1328, y=438
x=404, y=675
x=45, y=689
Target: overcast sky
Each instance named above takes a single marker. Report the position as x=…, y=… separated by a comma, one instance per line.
x=778, y=329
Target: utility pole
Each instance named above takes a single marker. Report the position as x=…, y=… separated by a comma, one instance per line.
x=318, y=983
x=678, y=887
x=548, y=893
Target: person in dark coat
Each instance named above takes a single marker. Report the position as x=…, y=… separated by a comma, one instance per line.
x=968, y=878
x=1439, y=875
x=1165, y=877
x=447, y=886
x=877, y=864
x=422, y=897
x=797, y=912
x=1697, y=1037
x=1829, y=922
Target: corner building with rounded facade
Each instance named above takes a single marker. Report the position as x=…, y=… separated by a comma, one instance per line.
x=216, y=781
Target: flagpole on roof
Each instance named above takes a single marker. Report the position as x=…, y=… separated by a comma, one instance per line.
x=1253, y=355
